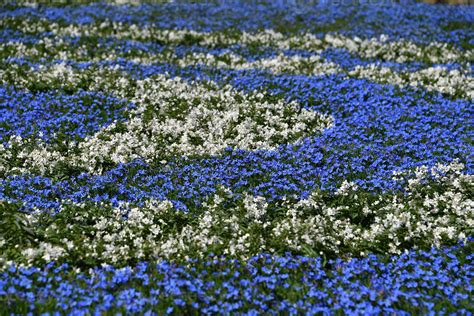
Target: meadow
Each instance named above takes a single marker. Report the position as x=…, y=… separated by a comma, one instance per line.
x=236, y=158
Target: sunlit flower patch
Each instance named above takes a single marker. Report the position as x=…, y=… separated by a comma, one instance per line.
x=236, y=159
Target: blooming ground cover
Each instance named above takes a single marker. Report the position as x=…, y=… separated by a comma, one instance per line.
x=224, y=158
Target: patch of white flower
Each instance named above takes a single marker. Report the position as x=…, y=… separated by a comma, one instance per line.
x=406, y=219
x=200, y=119
x=256, y=207
x=438, y=78
x=45, y=251
x=401, y=51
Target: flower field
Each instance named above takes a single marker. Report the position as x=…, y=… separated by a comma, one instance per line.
x=236, y=158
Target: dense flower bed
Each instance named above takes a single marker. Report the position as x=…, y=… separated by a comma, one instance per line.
x=223, y=158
